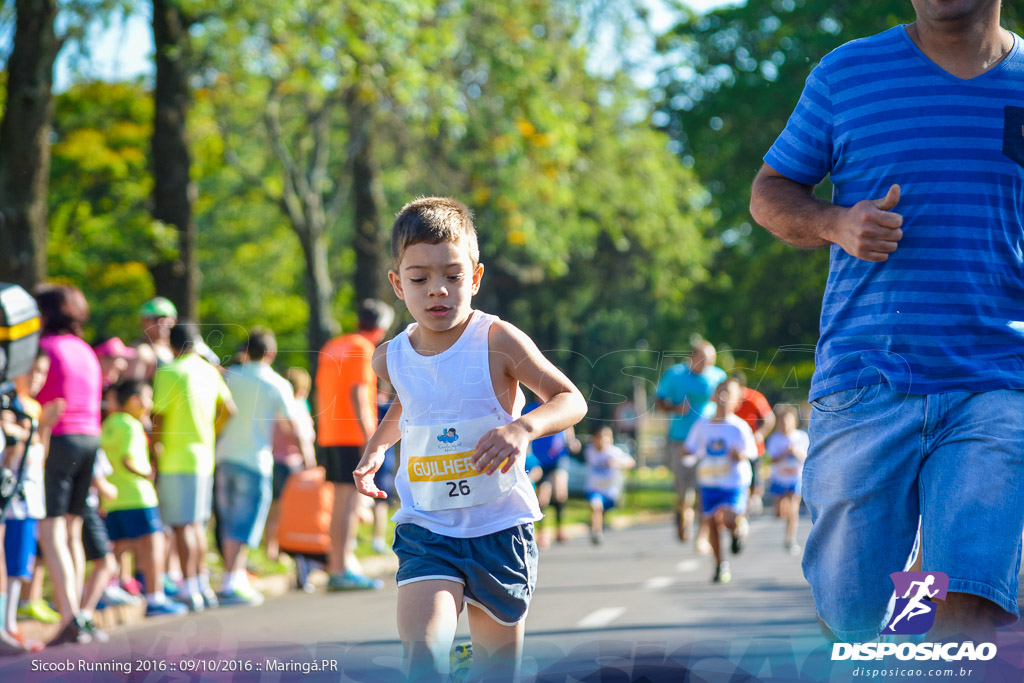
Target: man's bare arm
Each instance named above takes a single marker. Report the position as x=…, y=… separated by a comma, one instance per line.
x=868, y=230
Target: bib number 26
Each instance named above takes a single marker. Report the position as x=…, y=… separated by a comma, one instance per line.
x=458, y=488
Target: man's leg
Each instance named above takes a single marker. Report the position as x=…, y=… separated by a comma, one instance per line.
x=865, y=456
x=972, y=500
x=343, y=527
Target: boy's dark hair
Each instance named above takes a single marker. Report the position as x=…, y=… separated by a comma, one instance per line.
x=433, y=220
x=183, y=336
x=261, y=342
x=127, y=388
x=374, y=314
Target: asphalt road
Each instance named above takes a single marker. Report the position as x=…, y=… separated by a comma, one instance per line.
x=639, y=607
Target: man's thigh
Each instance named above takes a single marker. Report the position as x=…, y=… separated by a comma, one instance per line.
x=860, y=485
x=972, y=494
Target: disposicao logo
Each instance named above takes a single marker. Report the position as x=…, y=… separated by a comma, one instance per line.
x=914, y=614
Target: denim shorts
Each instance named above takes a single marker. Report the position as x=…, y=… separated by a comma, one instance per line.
x=884, y=464
x=135, y=523
x=243, y=500
x=498, y=571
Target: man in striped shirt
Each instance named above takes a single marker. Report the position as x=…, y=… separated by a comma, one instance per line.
x=918, y=408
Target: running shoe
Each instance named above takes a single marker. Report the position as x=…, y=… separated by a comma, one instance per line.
x=166, y=608
x=596, y=537
x=792, y=548
x=380, y=546
x=241, y=596
x=113, y=594
x=39, y=610
x=194, y=603
x=350, y=581
x=210, y=599
x=171, y=588
x=460, y=662
x=73, y=632
x=93, y=630
x=722, y=573
x=133, y=586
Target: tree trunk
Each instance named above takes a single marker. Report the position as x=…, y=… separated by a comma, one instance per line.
x=173, y=189
x=25, y=144
x=319, y=290
x=368, y=205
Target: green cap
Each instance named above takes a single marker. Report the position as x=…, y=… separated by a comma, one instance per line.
x=158, y=307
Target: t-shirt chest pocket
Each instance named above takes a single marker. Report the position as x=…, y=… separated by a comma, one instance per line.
x=1013, y=134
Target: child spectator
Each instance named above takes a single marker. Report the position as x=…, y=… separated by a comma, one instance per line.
x=605, y=463
x=465, y=528
x=133, y=514
x=21, y=535
x=725, y=445
x=788, y=450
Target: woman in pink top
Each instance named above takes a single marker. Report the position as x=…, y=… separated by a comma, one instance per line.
x=74, y=379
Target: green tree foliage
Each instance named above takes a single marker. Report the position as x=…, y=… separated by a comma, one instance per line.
x=732, y=79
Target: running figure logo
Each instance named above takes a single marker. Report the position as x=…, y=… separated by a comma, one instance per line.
x=914, y=613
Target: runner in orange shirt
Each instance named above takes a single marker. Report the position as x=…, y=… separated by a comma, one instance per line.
x=346, y=393
x=755, y=410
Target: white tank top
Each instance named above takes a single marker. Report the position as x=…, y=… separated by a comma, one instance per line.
x=448, y=402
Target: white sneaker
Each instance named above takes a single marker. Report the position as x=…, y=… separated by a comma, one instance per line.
x=115, y=595
x=380, y=546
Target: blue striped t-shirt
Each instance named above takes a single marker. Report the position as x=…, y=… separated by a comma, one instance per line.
x=946, y=311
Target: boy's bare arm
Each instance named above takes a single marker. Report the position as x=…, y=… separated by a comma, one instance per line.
x=563, y=404
x=386, y=436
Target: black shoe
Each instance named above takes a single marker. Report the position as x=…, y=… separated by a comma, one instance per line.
x=93, y=630
x=722, y=574
x=73, y=632
x=737, y=544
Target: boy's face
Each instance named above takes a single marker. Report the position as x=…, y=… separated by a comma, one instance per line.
x=727, y=397
x=788, y=422
x=603, y=439
x=138, y=406
x=39, y=371
x=437, y=283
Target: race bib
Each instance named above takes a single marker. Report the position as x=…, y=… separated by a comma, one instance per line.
x=437, y=460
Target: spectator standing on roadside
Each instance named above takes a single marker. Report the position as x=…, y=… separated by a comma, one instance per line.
x=191, y=405
x=245, y=459
x=346, y=407
x=74, y=379
x=153, y=350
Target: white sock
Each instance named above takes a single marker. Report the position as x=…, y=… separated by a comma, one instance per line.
x=157, y=598
x=13, y=591
x=176, y=575
x=192, y=586
x=204, y=581
x=85, y=614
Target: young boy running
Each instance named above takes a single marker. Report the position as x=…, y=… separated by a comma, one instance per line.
x=133, y=515
x=788, y=449
x=726, y=446
x=605, y=463
x=465, y=526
